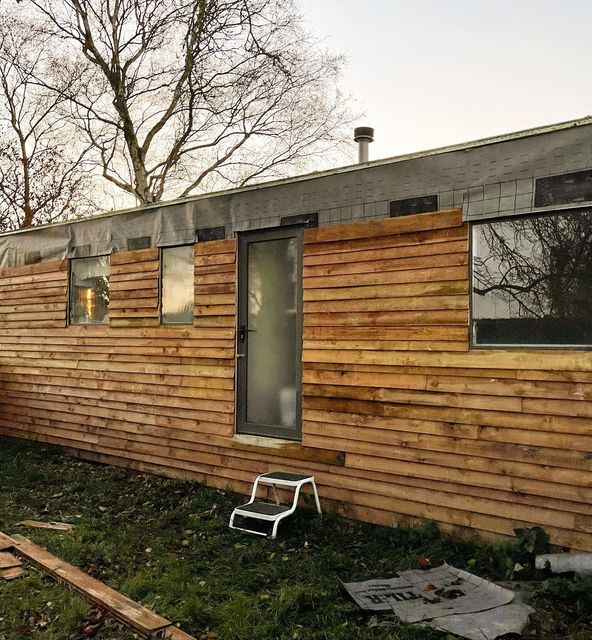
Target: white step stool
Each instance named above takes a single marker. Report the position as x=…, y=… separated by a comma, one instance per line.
x=274, y=512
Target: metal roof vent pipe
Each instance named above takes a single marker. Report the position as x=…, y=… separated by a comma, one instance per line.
x=363, y=136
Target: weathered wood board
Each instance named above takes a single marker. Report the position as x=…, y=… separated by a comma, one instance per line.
x=11, y=573
x=5, y=542
x=8, y=561
x=127, y=611
x=54, y=526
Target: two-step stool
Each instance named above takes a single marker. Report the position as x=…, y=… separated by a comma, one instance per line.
x=269, y=511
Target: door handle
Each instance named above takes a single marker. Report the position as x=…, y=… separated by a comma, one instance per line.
x=242, y=336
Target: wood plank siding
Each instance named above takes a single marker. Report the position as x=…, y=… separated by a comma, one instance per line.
x=401, y=420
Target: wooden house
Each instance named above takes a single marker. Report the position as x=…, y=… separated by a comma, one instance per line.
x=414, y=331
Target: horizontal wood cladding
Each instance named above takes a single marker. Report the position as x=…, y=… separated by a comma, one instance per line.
x=34, y=296
x=136, y=390
x=400, y=419
x=215, y=284
x=484, y=439
x=134, y=288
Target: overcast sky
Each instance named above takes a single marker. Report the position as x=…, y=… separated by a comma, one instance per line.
x=433, y=72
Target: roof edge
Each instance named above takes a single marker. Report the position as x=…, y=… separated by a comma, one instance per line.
x=481, y=142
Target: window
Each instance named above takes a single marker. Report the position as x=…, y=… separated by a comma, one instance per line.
x=141, y=242
x=568, y=188
x=532, y=280
x=176, y=303
x=210, y=233
x=409, y=206
x=89, y=290
x=309, y=220
x=33, y=257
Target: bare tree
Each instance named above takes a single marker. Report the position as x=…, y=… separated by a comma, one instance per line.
x=178, y=95
x=540, y=266
x=42, y=178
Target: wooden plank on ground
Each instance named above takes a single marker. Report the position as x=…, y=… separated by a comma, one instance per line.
x=12, y=573
x=5, y=542
x=8, y=561
x=56, y=526
x=127, y=611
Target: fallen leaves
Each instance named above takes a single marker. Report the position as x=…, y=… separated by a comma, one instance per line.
x=95, y=621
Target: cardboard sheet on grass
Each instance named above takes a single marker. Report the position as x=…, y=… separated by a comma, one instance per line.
x=447, y=599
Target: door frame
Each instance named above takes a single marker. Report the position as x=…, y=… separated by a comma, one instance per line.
x=245, y=238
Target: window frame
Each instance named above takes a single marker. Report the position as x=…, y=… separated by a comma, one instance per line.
x=411, y=198
x=105, y=322
x=241, y=426
x=515, y=345
x=161, y=285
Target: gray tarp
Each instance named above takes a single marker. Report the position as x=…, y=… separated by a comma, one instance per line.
x=488, y=179
x=50, y=242
x=100, y=236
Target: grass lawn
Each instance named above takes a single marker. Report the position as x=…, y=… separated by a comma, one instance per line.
x=166, y=543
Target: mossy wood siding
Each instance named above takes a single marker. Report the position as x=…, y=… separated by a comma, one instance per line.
x=400, y=418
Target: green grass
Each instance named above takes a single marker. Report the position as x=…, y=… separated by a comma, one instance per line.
x=166, y=543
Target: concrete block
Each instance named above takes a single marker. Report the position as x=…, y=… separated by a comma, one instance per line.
x=508, y=188
x=491, y=206
x=491, y=191
x=507, y=203
x=446, y=199
x=273, y=221
x=524, y=201
x=369, y=209
x=476, y=193
x=357, y=212
x=475, y=209
x=324, y=217
x=460, y=196
x=524, y=186
x=381, y=208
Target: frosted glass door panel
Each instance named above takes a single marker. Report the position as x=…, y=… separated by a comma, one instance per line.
x=177, y=285
x=272, y=352
x=269, y=341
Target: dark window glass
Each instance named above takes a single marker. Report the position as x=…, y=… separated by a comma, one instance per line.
x=309, y=220
x=569, y=188
x=210, y=233
x=89, y=290
x=409, y=206
x=177, y=285
x=141, y=242
x=32, y=257
x=82, y=250
x=532, y=280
